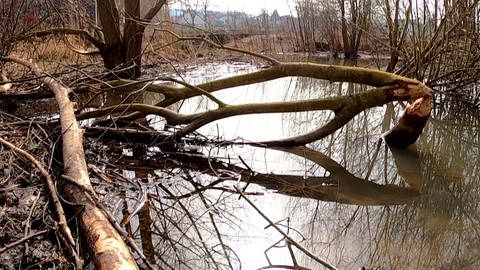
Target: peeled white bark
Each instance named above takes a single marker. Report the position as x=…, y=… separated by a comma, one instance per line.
x=107, y=248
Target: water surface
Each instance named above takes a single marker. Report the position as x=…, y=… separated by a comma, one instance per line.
x=354, y=201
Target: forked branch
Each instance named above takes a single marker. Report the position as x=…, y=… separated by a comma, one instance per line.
x=390, y=87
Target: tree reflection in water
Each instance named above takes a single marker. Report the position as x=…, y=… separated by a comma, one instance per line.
x=355, y=201
x=437, y=230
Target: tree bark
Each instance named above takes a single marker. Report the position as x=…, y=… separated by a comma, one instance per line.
x=410, y=125
x=107, y=249
x=133, y=37
x=122, y=52
x=391, y=87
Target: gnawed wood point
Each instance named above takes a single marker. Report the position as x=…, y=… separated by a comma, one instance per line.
x=410, y=125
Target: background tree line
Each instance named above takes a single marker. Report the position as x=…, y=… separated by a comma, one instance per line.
x=433, y=41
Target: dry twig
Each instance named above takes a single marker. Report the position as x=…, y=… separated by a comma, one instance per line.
x=53, y=193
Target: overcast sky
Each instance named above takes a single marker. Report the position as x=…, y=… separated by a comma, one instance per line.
x=249, y=6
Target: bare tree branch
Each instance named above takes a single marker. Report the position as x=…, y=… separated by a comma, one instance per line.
x=219, y=46
x=56, y=200
x=153, y=11
x=69, y=31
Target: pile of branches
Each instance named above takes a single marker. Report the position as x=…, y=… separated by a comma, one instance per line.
x=29, y=223
x=107, y=240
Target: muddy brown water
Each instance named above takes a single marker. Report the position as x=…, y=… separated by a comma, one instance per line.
x=355, y=202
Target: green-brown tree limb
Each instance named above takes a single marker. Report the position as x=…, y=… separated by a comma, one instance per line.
x=390, y=87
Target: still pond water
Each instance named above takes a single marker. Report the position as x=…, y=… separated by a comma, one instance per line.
x=410, y=209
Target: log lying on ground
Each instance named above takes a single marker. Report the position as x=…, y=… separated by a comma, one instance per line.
x=107, y=248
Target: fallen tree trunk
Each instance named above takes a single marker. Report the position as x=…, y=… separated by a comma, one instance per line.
x=410, y=126
x=389, y=87
x=106, y=247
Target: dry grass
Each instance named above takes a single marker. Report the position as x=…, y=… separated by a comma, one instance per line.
x=50, y=54
x=273, y=43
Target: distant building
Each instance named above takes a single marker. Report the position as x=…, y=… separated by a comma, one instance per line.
x=42, y=11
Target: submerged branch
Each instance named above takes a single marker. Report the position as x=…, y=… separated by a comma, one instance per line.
x=286, y=236
x=340, y=186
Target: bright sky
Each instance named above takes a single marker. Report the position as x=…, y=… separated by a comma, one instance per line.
x=253, y=7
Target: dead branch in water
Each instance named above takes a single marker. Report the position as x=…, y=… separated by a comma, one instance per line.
x=390, y=87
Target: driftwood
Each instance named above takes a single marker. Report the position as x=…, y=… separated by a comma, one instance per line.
x=106, y=246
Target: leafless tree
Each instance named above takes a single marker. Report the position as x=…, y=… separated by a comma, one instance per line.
x=119, y=37
x=14, y=22
x=355, y=18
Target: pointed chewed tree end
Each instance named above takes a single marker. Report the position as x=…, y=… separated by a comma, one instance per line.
x=411, y=124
